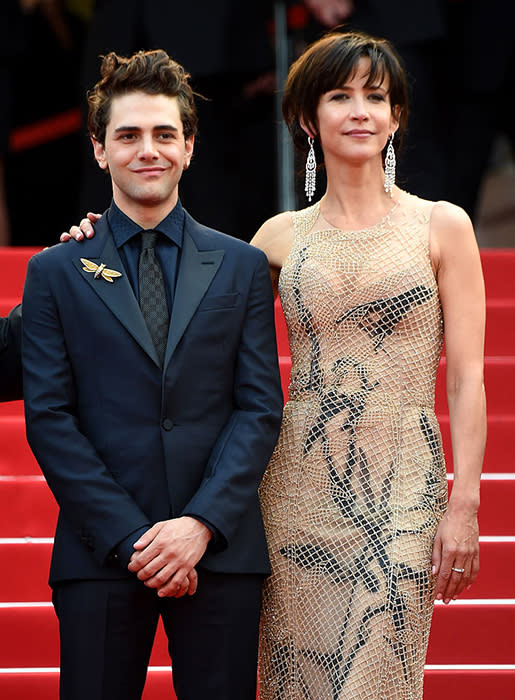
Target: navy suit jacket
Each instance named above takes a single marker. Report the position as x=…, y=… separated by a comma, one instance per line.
x=124, y=443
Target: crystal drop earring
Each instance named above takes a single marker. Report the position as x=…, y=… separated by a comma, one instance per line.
x=311, y=168
x=389, y=168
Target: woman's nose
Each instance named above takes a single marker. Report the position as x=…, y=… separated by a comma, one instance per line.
x=359, y=110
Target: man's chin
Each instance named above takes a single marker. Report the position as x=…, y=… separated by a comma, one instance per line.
x=151, y=198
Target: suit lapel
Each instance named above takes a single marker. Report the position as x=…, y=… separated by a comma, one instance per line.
x=118, y=296
x=196, y=271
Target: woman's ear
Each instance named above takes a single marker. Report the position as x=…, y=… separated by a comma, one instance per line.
x=395, y=118
x=306, y=129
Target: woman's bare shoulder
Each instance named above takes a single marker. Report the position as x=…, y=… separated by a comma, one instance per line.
x=452, y=236
x=447, y=215
x=273, y=228
x=275, y=237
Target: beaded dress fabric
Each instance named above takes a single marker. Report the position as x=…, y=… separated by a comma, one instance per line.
x=356, y=485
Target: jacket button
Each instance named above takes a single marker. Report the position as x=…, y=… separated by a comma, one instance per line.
x=167, y=424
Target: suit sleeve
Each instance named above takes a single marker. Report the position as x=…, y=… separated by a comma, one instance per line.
x=243, y=449
x=86, y=492
x=10, y=356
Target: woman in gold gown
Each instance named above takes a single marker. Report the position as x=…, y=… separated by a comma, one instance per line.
x=361, y=536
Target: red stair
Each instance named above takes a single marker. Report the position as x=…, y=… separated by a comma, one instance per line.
x=472, y=644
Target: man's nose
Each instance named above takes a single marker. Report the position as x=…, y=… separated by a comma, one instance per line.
x=148, y=148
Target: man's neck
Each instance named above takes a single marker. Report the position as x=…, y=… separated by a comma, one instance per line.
x=147, y=217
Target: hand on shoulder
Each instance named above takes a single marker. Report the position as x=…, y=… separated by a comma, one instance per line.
x=85, y=228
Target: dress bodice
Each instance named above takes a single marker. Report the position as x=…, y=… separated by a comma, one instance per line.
x=364, y=304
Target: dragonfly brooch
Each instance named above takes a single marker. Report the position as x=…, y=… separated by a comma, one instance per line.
x=99, y=270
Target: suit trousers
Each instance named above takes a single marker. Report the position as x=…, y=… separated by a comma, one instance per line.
x=107, y=629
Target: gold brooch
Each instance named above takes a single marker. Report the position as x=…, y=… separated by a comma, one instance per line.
x=99, y=270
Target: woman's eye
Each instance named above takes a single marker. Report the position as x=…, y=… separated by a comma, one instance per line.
x=376, y=97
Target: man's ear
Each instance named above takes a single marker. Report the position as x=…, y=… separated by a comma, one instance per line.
x=188, y=151
x=99, y=151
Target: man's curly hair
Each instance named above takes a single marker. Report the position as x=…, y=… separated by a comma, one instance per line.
x=152, y=72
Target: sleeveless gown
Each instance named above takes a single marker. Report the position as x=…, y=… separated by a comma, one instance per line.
x=357, y=484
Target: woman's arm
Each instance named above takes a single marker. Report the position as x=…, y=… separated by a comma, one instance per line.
x=274, y=238
x=457, y=263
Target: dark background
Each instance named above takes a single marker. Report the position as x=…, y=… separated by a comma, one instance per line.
x=459, y=56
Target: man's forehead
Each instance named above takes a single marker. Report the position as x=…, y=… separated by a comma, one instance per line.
x=145, y=110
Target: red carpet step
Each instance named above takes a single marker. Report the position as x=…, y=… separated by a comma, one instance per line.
x=28, y=509
x=440, y=684
x=16, y=458
x=33, y=555
x=498, y=271
x=463, y=632
x=11, y=408
x=13, y=265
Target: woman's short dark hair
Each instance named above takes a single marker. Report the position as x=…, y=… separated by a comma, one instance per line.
x=326, y=65
x=152, y=72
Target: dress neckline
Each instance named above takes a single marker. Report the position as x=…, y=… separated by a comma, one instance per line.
x=364, y=229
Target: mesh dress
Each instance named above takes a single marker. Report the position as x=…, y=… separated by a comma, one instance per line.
x=356, y=485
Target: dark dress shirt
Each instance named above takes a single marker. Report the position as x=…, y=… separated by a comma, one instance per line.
x=128, y=242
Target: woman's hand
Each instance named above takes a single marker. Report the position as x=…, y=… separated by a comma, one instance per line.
x=456, y=552
x=85, y=228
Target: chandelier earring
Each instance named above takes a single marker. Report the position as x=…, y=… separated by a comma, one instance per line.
x=389, y=168
x=311, y=171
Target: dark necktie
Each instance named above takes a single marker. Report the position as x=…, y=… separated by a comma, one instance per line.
x=152, y=293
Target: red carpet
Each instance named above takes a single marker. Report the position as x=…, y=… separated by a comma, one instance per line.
x=472, y=646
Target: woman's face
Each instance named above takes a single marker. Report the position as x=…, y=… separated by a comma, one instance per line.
x=355, y=121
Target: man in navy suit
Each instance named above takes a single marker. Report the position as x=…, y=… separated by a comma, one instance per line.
x=154, y=459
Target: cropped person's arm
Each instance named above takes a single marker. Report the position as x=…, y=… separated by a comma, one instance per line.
x=11, y=384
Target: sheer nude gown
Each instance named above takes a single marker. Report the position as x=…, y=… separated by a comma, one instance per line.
x=357, y=485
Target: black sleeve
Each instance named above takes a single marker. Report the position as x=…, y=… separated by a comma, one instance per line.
x=10, y=356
